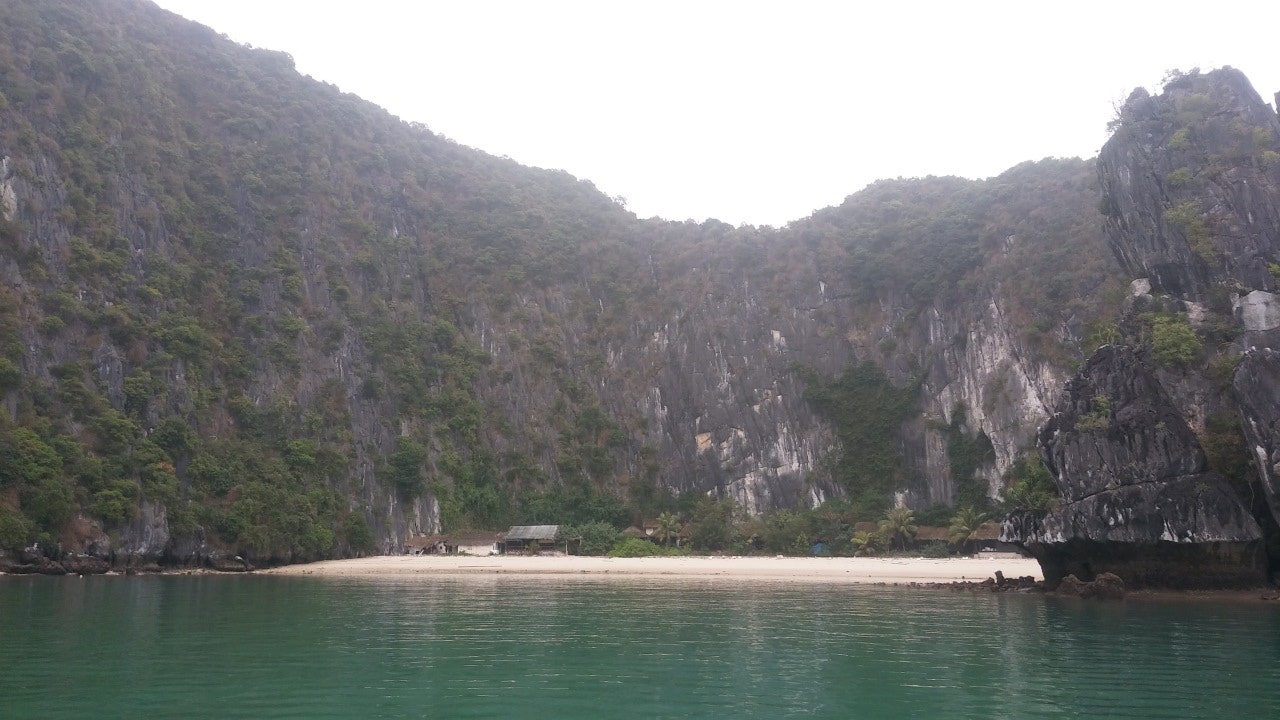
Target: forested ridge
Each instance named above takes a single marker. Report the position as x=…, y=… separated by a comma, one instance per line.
x=244, y=312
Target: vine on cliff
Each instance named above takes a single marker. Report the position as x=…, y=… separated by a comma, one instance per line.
x=1029, y=486
x=866, y=410
x=966, y=454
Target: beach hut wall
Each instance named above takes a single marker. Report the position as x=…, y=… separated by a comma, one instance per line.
x=484, y=542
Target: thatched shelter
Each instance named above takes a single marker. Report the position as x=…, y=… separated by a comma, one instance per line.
x=519, y=537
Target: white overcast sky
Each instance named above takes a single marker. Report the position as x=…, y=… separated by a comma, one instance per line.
x=756, y=112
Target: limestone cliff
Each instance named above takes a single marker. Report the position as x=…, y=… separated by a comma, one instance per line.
x=1256, y=386
x=1138, y=498
x=244, y=313
x=1189, y=182
x=1191, y=195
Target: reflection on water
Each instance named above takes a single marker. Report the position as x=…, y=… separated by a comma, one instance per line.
x=508, y=647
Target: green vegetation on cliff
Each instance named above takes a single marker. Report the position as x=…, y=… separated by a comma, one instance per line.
x=966, y=454
x=235, y=231
x=866, y=410
x=244, y=312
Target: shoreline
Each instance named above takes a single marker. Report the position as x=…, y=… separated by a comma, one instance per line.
x=955, y=574
x=917, y=573
x=893, y=570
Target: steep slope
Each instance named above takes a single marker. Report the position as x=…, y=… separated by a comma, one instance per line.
x=1191, y=183
x=244, y=313
x=1138, y=497
x=263, y=271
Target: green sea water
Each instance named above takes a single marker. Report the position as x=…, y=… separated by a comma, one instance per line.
x=509, y=647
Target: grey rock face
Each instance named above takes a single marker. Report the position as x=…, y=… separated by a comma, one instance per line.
x=147, y=537
x=1107, y=586
x=1189, y=189
x=1257, y=390
x=8, y=199
x=1115, y=426
x=1258, y=311
x=1138, y=498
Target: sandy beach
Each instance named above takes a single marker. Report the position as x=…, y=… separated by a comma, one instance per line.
x=897, y=570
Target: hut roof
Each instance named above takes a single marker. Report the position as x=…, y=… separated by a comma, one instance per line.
x=988, y=531
x=635, y=532
x=524, y=533
x=933, y=532
x=475, y=537
x=418, y=541
x=866, y=526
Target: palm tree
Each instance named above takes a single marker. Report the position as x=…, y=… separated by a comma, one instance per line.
x=865, y=543
x=899, y=524
x=965, y=524
x=668, y=527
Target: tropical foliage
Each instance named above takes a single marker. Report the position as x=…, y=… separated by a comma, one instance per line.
x=965, y=524
x=292, y=321
x=866, y=409
x=668, y=528
x=1029, y=486
x=899, y=527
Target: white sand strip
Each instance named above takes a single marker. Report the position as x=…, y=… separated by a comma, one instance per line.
x=821, y=570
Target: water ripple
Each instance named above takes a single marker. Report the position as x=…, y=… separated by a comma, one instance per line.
x=260, y=647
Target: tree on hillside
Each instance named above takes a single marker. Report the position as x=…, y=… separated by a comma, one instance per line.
x=965, y=524
x=668, y=527
x=899, y=526
x=713, y=524
x=865, y=543
x=1029, y=486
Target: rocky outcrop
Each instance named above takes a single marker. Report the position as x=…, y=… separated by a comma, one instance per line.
x=1107, y=586
x=1189, y=184
x=1138, y=498
x=1257, y=391
x=8, y=199
x=1191, y=200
